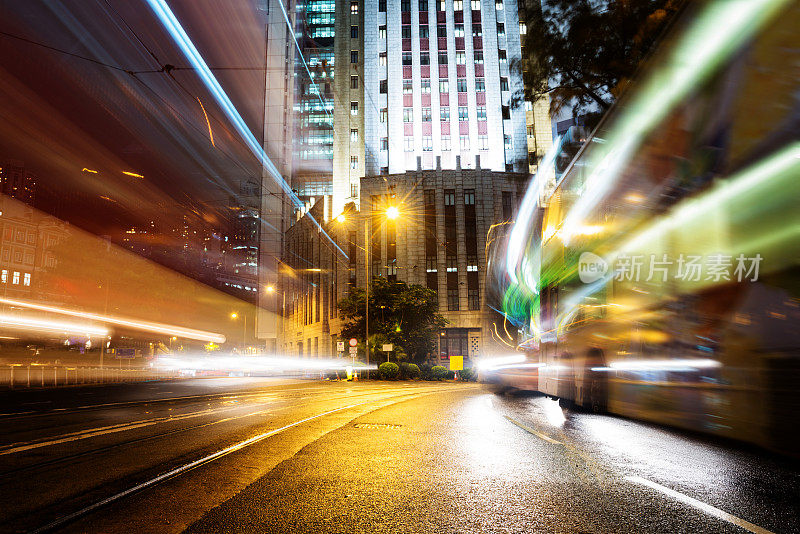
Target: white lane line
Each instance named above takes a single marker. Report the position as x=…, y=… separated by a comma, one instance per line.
x=534, y=432
x=707, y=508
x=187, y=467
x=111, y=429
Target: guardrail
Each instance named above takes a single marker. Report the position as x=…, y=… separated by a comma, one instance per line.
x=42, y=376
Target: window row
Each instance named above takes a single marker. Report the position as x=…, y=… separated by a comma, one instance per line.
x=444, y=145
x=444, y=114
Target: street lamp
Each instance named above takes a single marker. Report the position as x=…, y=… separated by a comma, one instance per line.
x=235, y=316
x=392, y=212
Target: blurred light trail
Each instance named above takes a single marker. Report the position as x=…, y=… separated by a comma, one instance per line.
x=770, y=172
x=173, y=26
x=720, y=29
x=31, y=323
x=678, y=364
x=253, y=364
x=490, y=363
x=521, y=229
x=158, y=328
x=135, y=175
x=89, y=170
x=210, y=133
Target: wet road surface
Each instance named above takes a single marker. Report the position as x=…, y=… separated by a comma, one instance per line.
x=252, y=455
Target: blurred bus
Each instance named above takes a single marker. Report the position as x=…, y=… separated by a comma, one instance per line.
x=662, y=269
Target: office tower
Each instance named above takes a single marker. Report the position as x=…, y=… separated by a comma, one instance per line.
x=421, y=79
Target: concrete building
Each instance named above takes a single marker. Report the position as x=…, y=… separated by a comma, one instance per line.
x=17, y=182
x=426, y=79
x=438, y=241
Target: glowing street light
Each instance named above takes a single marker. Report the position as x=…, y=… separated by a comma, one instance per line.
x=234, y=315
x=341, y=218
x=392, y=212
x=270, y=289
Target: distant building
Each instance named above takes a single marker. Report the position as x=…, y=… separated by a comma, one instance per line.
x=17, y=182
x=438, y=241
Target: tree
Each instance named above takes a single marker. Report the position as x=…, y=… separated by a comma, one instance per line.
x=584, y=52
x=402, y=314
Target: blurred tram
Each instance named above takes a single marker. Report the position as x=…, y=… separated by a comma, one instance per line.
x=661, y=270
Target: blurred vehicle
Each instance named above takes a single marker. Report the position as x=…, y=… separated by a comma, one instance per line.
x=661, y=271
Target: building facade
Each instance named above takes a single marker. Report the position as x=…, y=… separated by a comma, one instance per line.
x=421, y=80
x=438, y=241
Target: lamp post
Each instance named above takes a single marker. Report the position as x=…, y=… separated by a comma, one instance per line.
x=234, y=316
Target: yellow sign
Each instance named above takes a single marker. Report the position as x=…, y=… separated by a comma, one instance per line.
x=456, y=363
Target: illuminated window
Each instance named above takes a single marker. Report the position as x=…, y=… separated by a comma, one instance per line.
x=353, y=108
x=382, y=59
x=354, y=135
x=475, y=5
x=501, y=54
x=384, y=115
x=446, y=142
x=354, y=8
x=477, y=30
x=444, y=86
x=426, y=86
x=26, y=281
x=507, y=142
x=461, y=58
x=461, y=84
x=480, y=85
x=452, y=266
x=481, y=114
x=463, y=113
x=354, y=162
x=458, y=5
x=4, y=276
x=479, y=57
x=427, y=143
x=445, y=113
x=426, y=114
x=408, y=114
x=15, y=280
x=522, y=28
x=501, y=29
x=498, y=5
x=382, y=32
x=408, y=87
x=459, y=30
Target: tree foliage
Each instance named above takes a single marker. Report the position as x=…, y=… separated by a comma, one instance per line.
x=405, y=315
x=584, y=52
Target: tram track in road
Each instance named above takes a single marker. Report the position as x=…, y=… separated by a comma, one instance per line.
x=169, y=470
x=65, y=460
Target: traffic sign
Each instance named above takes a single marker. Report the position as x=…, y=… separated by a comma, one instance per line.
x=387, y=347
x=353, y=351
x=353, y=342
x=340, y=346
x=456, y=363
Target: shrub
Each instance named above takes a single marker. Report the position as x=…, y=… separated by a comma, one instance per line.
x=388, y=370
x=412, y=371
x=425, y=371
x=439, y=372
x=467, y=374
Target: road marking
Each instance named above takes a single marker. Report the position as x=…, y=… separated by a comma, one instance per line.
x=101, y=431
x=532, y=431
x=707, y=508
x=187, y=467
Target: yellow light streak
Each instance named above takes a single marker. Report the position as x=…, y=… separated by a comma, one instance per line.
x=89, y=170
x=135, y=175
x=146, y=326
x=31, y=323
x=210, y=133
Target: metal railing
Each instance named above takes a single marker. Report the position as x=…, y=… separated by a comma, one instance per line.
x=44, y=376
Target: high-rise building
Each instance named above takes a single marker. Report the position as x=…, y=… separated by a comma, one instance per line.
x=313, y=163
x=426, y=78
x=17, y=182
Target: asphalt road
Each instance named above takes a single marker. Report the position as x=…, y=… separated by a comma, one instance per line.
x=269, y=455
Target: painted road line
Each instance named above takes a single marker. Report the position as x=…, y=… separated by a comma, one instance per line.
x=534, y=432
x=187, y=467
x=707, y=508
